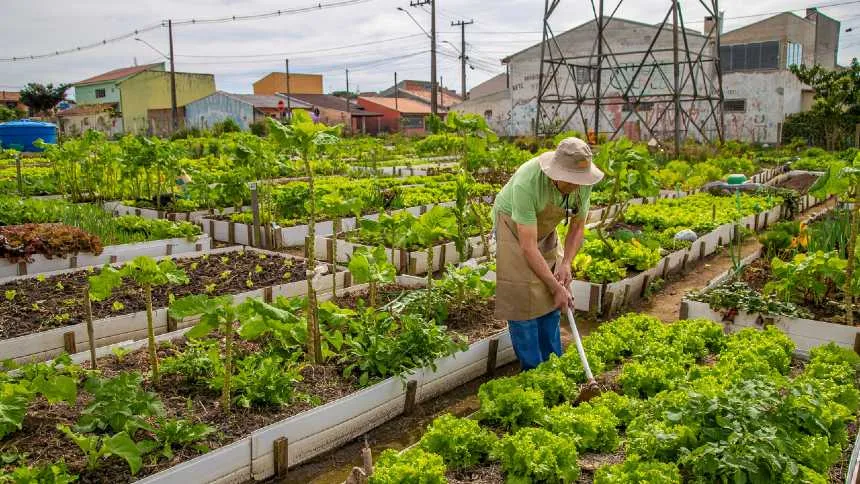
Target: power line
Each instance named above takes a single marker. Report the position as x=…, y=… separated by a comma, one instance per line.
x=298, y=52
x=163, y=23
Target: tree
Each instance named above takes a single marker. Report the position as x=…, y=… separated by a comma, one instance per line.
x=837, y=93
x=42, y=98
x=9, y=114
x=307, y=138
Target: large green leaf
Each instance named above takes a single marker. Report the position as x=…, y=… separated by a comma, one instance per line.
x=197, y=304
x=123, y=446
x=13, y=407
x=57, y=388
x=103, y=283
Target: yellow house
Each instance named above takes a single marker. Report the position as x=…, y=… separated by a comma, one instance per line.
x=276, y=82
x=150, y=90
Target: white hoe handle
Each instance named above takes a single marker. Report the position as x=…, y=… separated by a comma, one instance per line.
x=579, y=347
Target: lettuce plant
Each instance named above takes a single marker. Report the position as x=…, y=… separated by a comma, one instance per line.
x=461, y=442
x=537, y=455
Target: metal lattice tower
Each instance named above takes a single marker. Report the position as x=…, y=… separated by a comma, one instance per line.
x=669, y=91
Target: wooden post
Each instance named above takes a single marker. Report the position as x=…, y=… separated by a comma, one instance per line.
x=702, y=250
x=411, y=393
x=281, y=447
x=267, y=294
x=492, y=356
x=231, y=232
x=22, y=268
x=714, y=211
x=69, y=342
x=367, y=459
x=172, y=323
x=645, y=283
x=684, y=312
x=684, y=262
x=255, y=209
x=88, y=305
x=857, y=343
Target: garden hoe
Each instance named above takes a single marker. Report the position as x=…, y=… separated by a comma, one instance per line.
x=590, y=389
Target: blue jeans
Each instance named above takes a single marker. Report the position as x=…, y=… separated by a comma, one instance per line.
x=535, y=339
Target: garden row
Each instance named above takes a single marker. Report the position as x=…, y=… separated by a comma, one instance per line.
x=157, y=420
x=682, y=403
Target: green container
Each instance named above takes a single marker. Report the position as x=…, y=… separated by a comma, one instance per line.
x=736, y=179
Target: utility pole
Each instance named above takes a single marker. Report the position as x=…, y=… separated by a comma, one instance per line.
x=348, y=115
x=289, y=103
x=598, y=74
x=434, y=91
x=462, y=24
x=396, y=107
x=173, y=111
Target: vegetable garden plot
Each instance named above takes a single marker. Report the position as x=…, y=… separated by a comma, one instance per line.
x=109, y=255
x=682, y=403
x=346, y=413
x=796, y=282
x=118, y=209
x=44, y=315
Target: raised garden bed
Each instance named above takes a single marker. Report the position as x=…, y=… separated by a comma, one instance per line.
x=118, y=209
x=681, y=403
x=806, y=333
x=301, y=431
x=110, y=255
x=44, y=315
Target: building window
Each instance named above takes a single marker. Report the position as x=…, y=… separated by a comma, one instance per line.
x=412, y=121
x=749, y=57
x=793, y=54
x=584, y=74
x=100, y=93
x=735, y=105
x=488, y=114
x=640, y=107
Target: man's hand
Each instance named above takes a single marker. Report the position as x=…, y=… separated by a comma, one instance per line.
x=561, y=297
x=563, y=275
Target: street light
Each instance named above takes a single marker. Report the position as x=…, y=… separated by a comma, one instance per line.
x=151, y=47
x=416, y=22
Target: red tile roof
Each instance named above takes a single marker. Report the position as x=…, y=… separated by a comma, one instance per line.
x=404, y=105
x=121, y=73
x=10, y=96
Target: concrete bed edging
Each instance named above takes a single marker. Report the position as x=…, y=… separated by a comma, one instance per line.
x=327, y=427
x=48, y=344
x=111, y=254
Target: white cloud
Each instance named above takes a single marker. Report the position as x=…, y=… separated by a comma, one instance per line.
x=39, y=26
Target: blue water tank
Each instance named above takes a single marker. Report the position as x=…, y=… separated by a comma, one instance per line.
x=22, y=133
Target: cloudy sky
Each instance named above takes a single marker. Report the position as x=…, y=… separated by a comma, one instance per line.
x=370, y=37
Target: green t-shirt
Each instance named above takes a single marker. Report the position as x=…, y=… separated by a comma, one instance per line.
x=529, y=191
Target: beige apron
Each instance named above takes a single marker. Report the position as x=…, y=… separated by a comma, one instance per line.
x=520, y=293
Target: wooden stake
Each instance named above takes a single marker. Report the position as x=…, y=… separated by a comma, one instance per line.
x=492, y=356
x=69, y=342
x=88, y=305
x=684, y=312
x=411, y=393
x=281, y=447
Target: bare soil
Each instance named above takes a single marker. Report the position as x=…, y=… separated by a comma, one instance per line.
x=799, y=183
x=39, y=304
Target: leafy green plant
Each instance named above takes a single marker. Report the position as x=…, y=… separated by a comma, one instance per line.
x=636, y=471
x=371, y=266
x=216, y=314
x=98, y=447
x=505, y=402
x=461, y=442
x=119, y=404
x=265, y=378
x=591, y=428
x=53, y=473
x=807, y=277
x=146, y=272
x=414, y=465
x=179, y=433
x=536, y=455
x=738, y=295
x=339, y=207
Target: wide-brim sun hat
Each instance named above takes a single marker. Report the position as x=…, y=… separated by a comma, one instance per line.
x=571, y=163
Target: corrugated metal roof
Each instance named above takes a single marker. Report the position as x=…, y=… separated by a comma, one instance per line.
x=328, y=101
x=121, y=73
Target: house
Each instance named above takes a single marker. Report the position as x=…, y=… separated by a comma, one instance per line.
x=422, y=91
x=83, y=117
x=276, y=82
x=12, y=100
x=244, y=109
x=759, y=88
x=130, y=93
x=333, y=111
x=491, y=99
x=399, y=115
